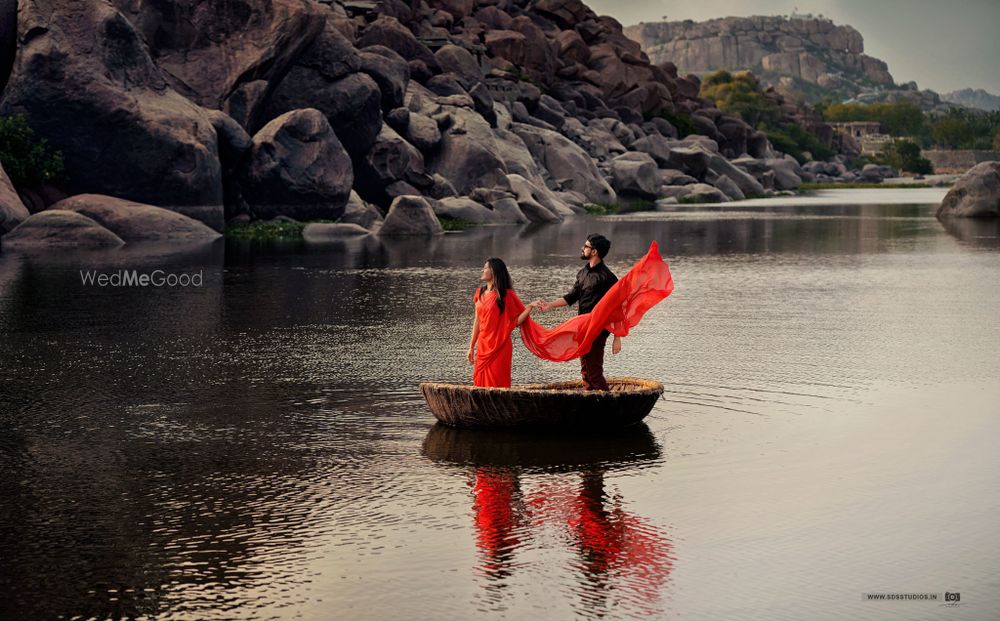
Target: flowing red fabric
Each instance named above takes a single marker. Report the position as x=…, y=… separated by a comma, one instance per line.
x=494, y=348
x=645, y=285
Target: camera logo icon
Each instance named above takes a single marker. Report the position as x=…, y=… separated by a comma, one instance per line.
x=952, y=597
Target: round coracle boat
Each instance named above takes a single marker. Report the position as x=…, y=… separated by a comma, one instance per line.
x=561, y=404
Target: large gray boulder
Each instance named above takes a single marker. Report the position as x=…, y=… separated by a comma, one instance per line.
x=318, y=232
x=467, y=154
x=390, y=72
x=132, y=221
x=566, y=162
x=785, y=175
x=635, y=174
x=410, y=216
x=391, y=159
x=8, y=40
x=692, y=160
x=352, y=104
x=747, y=183
x=298, y=168
x=536, y=202
x=460, y=62
x=209, y=51
x=976, y=194
x=657, y=146
x=531, y=200
x=59, y=228
x=357, y=211
x=12, y=210
x=726, y=185
x=88, y=85
x=388, y=32
x=464, y=208
x=422, y=132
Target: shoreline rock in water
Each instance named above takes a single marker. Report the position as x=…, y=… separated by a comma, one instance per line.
x=976, y=194
x=504, y=111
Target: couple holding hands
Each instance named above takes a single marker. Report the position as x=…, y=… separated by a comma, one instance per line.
x=607, y=306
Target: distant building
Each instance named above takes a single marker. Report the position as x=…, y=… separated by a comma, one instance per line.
x=868, y=134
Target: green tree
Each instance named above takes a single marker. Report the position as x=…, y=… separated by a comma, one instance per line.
x=961, y=128
x=897, y=119
x=741, y=94
x=28, y=160
x=952, y=133
x=904, y=155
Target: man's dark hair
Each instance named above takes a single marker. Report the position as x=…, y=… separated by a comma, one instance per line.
x=501, y=280
x=600, y=243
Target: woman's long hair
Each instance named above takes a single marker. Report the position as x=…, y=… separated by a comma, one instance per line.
x=501, y=280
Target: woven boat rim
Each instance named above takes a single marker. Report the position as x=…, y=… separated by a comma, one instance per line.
x=642, y=385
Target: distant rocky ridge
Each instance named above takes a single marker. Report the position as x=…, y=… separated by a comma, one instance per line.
x=974, y=98
x=375, y=114
x=810, y=51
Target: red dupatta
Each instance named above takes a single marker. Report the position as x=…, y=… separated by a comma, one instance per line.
x=645, y=285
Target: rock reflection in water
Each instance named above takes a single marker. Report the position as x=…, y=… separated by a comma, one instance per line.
x=619, y=558
x=976, y=232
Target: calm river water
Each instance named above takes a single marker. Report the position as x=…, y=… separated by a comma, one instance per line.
x=257, y=448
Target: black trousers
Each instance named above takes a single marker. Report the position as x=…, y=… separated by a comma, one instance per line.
x=592, y=364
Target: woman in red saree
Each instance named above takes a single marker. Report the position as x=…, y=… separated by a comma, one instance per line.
x=498, y=312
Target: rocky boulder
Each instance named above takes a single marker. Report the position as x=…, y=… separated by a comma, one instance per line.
x=12, y=210
x=391, y=159
x=388, y=32
x=209, y=52
x=352, y=103
x=59, y=228
x=976, y=194
x=88, y=85
x=318, y=232
x=390, y=72
x=461, y=63
x=361, y=213
x=635, y=174
x=534, y=201
x=566, y=162
x=463, y=208
x=8, y=40
x=747, y=183
x=133, y=221
x=410, y=216
x=298, y=168
x=785, y=175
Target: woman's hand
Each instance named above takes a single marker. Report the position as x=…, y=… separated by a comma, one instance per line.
x=616, y=345
x=472, y=355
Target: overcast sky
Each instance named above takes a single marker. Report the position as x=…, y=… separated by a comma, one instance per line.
x=943, y=45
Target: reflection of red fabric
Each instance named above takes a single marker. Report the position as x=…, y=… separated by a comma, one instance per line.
x=494, y=348
x=648, y=282
x=496, y=516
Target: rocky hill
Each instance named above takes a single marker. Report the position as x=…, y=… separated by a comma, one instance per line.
x=811, y=54
x=376, y=114
x=974, y=98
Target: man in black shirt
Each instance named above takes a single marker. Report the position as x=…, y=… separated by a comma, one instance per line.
x=592, y=282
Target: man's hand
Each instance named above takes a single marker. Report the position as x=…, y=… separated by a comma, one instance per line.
x=541, y=305
x=616, y=345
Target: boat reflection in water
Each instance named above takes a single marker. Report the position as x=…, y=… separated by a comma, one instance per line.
x=547, y=492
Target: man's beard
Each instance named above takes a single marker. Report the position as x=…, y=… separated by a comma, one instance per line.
x=584, y=257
